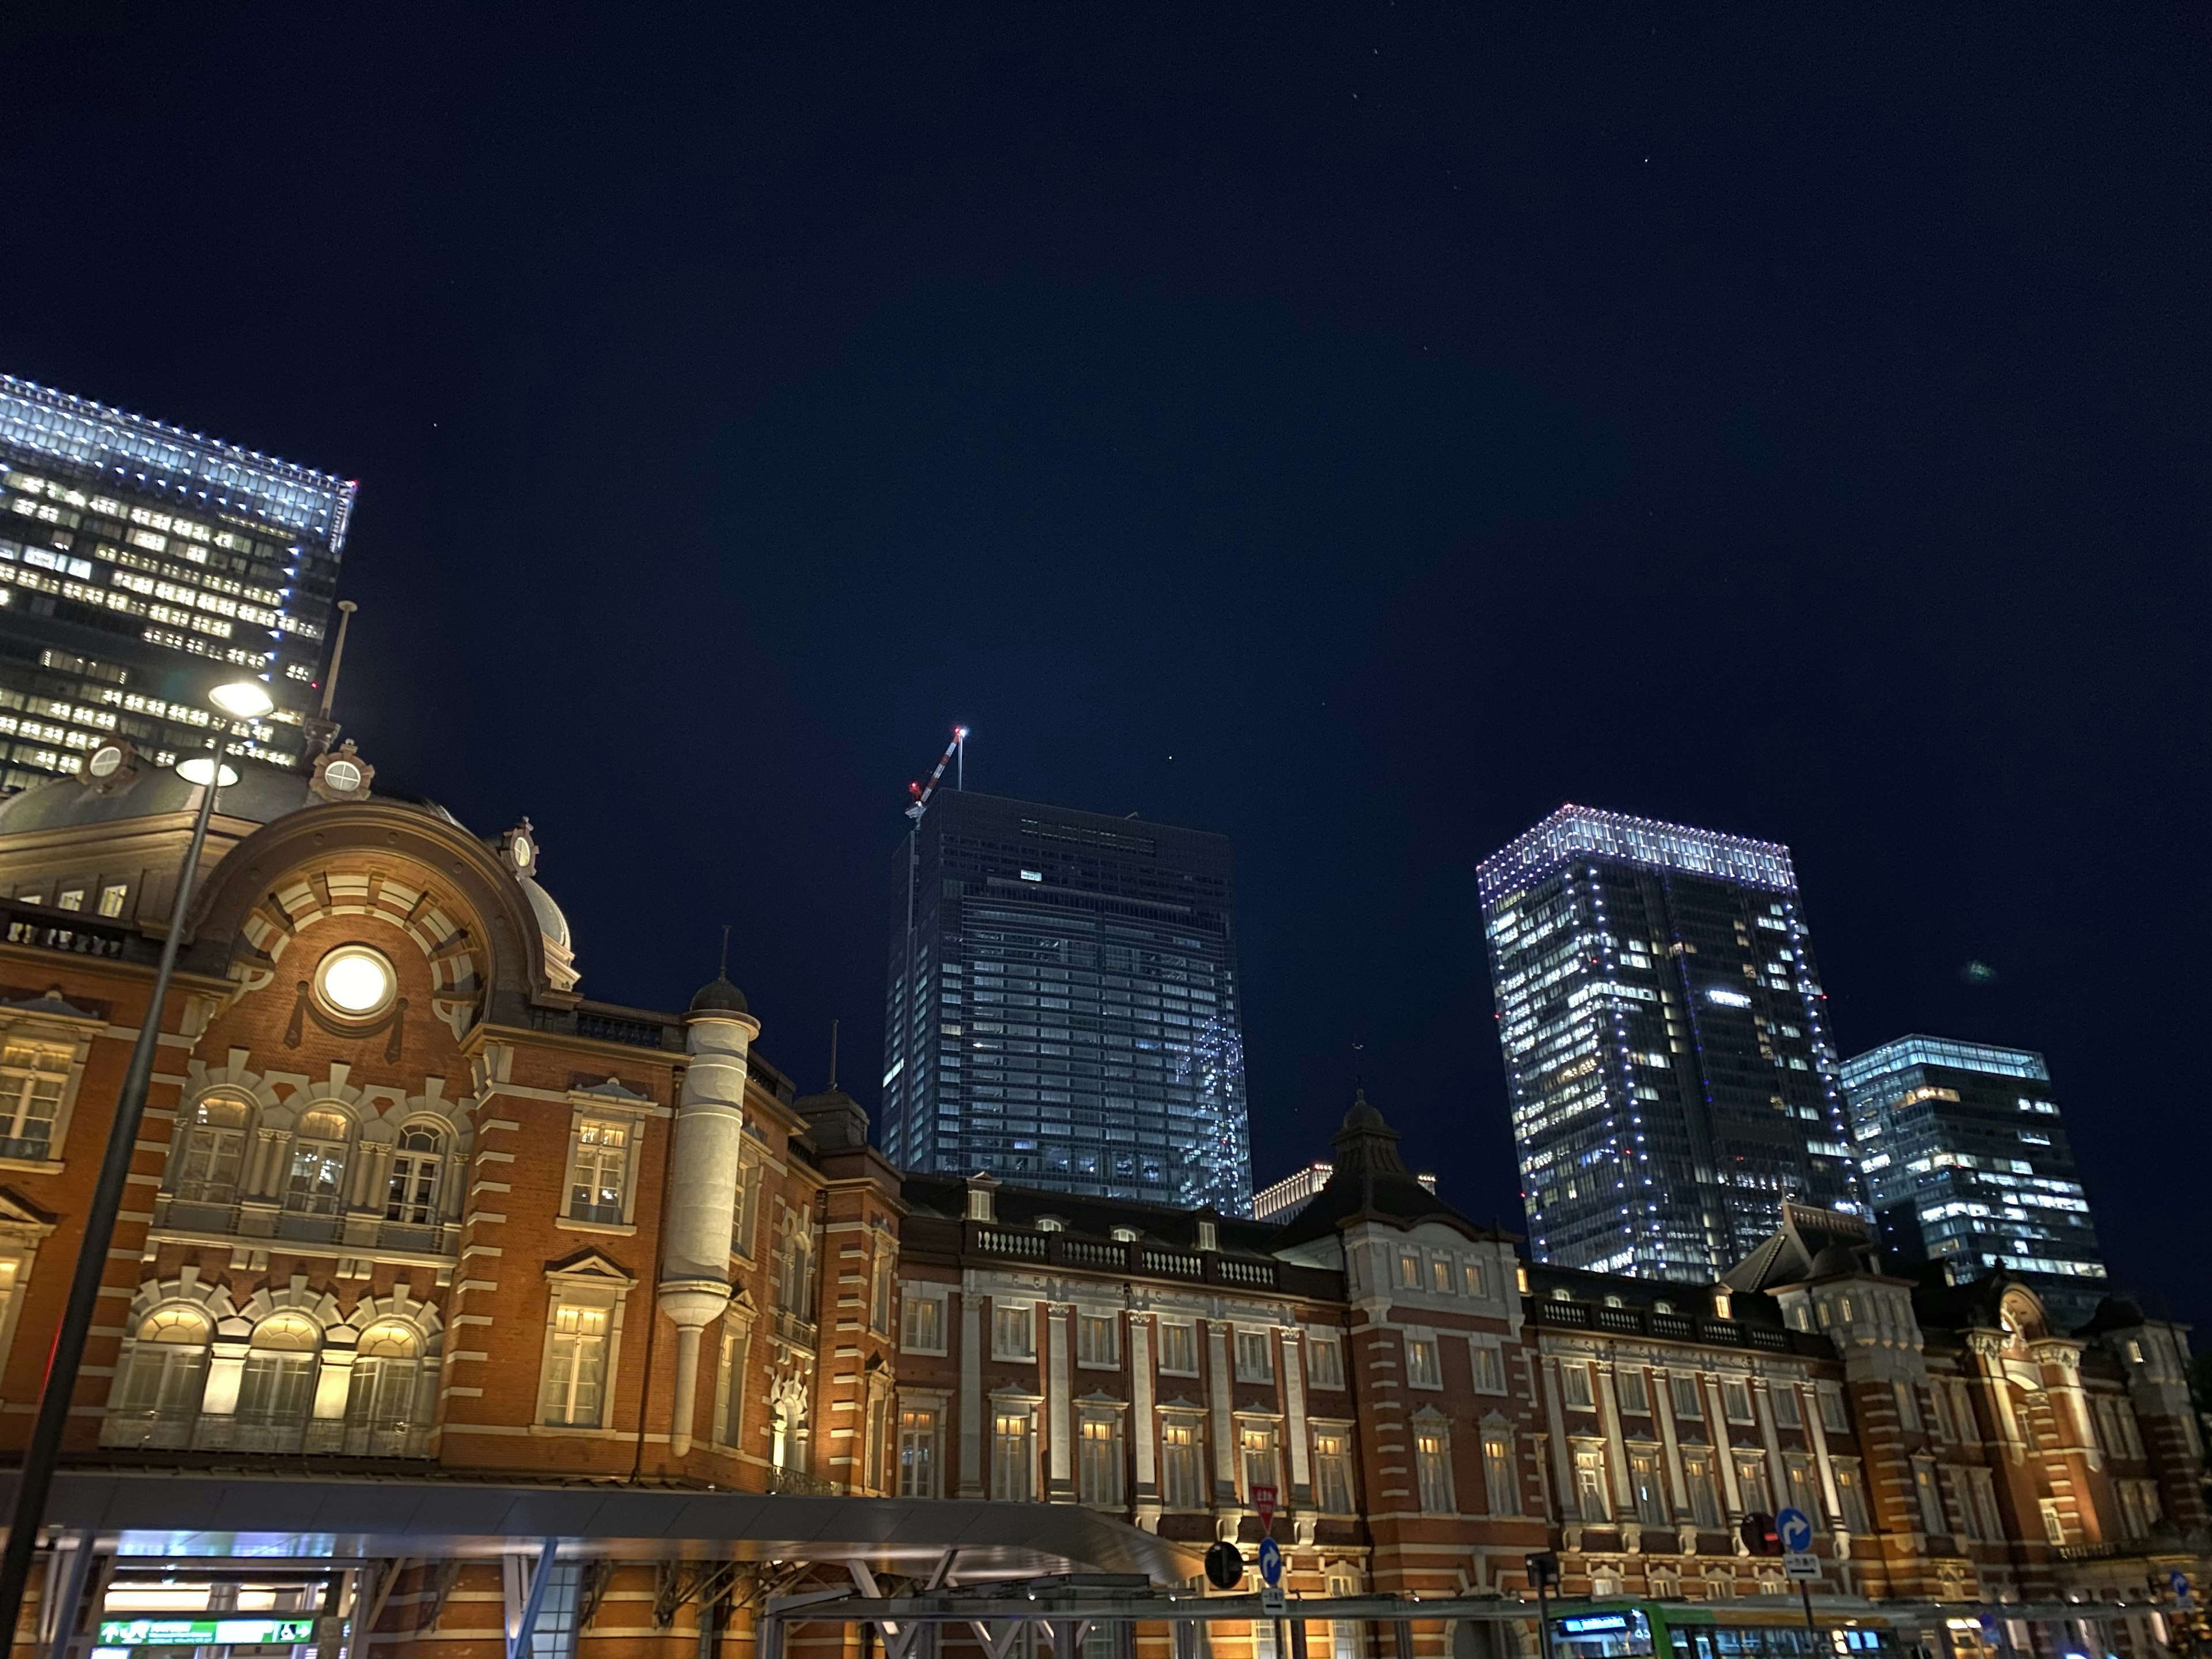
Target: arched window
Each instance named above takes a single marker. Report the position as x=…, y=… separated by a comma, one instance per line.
x=214, y=1151
x=412, y=1197
x=279, y=1385
x=316, y=1185
x=381, y=1408
x=158, y=1396
x=794, y=1279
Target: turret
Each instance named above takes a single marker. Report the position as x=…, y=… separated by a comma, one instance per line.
x=710, y=1121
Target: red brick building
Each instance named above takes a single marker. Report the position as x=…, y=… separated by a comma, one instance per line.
x=413, y=1221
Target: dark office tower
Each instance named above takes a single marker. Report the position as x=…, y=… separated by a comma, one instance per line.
x=141, y=565
x=1672, y=1078
x=1967, y=1163
x=1063, y=1008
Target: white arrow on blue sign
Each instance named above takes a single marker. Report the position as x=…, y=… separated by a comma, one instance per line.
x=1795, y=1529
x=1271, y=1563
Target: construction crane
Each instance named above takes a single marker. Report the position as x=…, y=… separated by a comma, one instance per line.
x=905, y=1029
x=921, y=792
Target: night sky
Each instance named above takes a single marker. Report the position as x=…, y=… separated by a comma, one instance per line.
x=1357, y=429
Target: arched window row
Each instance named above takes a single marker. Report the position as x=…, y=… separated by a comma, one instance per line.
x=317, y=1165
x=187, y=1378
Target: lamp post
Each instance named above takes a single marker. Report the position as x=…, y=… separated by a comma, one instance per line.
x=243, y=701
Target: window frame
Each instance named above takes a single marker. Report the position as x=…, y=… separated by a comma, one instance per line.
x=590, y=1284
x=1009, y=1314
x=915, y=1294
x=1423, y=1354
x=1172, y=1454
x=1340, y=1460
x=1088, y=1323
x=1332, y=1344
x=1435, y=1489
x=68, y=1039
x=1501, y=1469
x=1190, y=1327
x=929, y=1437
x=1253, y=1343
x=629, y=1113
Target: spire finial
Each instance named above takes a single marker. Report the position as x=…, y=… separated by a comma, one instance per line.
x=832, y=1054
x=322, y=731
x=723, y=972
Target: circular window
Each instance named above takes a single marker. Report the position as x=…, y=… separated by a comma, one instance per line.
x=521, y=851
x=105, y=761
x=356, y=981
x=342, y=775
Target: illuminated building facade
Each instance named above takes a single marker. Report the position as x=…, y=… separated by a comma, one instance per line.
x=1966, y=1163
x=1063, y=1008
x=1286, y=1197
x=141, y=565
x=1672, y=1077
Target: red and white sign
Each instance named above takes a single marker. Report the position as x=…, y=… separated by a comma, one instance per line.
x=1263, y=1499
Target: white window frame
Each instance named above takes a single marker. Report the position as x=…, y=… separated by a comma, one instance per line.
x=1425, y=1479
x=590, y=1284
x=1503, y=1470
x=70, y=1040
x=1009, y=1405
x=1423, y=1342
x=1734, y=1389
x=1190, y=1326
x=1195, y=1420
x=1111, y=1319
x=1113, y=1415
x=1257, y=1340
x=915, y=1294
x=608, y=1105
x=1345, y=1435
x=1623, y=1376
x=1582, y=1368
x=935, y=1404
x=1004, y=1310
x=730, y=1383
x=1318, y=1343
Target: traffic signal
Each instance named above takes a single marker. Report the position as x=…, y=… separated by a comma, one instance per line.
x=1544, y=1570
x=1224, y=1565
x=1759, y=1535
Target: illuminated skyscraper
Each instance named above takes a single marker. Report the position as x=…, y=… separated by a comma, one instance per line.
x=1967, y=1163
x=1063, y=1006
x=1666, y=1046
x=141, y=565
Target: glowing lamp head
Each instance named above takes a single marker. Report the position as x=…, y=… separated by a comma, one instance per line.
x=200, y=770
x=243, y=700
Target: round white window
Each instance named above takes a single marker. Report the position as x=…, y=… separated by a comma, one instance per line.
x=342, y=775
x=355, y=983
x=104, y=761
x=521, y=850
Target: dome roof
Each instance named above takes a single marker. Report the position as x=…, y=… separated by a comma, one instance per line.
x=261, y=795
x=718, y=996
x=550, y=921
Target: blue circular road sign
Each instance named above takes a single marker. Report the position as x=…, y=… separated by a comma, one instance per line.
x=1795, y=1529
x=1271, y=1563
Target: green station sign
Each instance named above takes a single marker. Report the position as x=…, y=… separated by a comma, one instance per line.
x=204, y=1632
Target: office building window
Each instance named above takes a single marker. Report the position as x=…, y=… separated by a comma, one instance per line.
x=1423, y=1368
x=1178, y=1347
x=917, y=1452
x=1409, y=1270
x=315, y=1183
x=411, y=1194
x=1098, y=1464
x=1651, y=1495
x=1433, y=1468
x=1489, y=1363
x=214, y=1151
x=574, y=1392
x=1751, y=1479
x=1635, y=1398
x=1097, y=1339
x=1804, y=1493
x=1589, y=1484
x=1575, y=1386
x=1324, y=1361
x=1012, y=1479
x=1473, y=1279
x=112, y=897
x=599, y=1181
x=1851, y=1497
x=1331, y=1473
x=1787, y=1414
x=1928, y=1497
x=1013, y=1331
x=1501, y=1480
x=1703, y=1480
x=1182, y=1462
x=1833, y=1418
x=1736, y=1399
x=1255, y=1357
x=1257, y=1444
x=922, y=1330
x=1689, y=1400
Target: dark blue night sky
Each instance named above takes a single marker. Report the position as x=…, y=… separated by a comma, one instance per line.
x=1357, y=428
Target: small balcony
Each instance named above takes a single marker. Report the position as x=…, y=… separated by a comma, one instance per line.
x=797, y=1483
x=792, y=1329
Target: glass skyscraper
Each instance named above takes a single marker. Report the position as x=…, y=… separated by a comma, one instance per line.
x=140, y=566
x=1667, y=1049
x=1967, y=1163
x=1063, y=1006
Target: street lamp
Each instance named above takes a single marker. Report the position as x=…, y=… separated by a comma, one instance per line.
x=244, y=699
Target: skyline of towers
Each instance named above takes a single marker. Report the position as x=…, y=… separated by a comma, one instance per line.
x=1670, y=1073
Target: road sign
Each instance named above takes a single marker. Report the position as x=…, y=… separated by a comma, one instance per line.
x=1271, y=1603
x=1225, y=1566
x=192, y=1632
x=1801, y=1565
x=1795, y=1527
x=1271, y=1563
x=1263, y=1499
x=2179, y=1582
